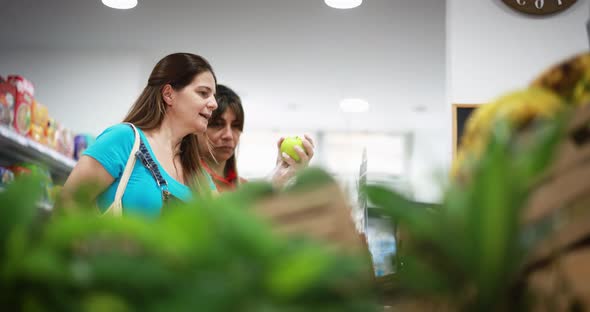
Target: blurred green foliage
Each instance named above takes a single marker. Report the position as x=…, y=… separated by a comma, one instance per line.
x=470, y=249
x=208, y=255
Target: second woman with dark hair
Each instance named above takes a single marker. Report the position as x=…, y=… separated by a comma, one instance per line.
x=223, y=135
x=162, y=125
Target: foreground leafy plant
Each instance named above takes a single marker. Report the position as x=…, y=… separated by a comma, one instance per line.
x=470, y=249
x=209, y=255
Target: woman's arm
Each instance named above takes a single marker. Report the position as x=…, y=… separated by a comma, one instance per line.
x=88, y=173
x=101, y=163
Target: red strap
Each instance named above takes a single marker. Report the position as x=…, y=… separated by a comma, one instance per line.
x=228, y=181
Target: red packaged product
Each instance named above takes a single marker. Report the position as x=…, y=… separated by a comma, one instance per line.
x=22, y=85
x=22, y=107
x=7, y=101
x=20, y=170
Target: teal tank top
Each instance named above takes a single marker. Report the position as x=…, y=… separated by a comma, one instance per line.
x=142, y=194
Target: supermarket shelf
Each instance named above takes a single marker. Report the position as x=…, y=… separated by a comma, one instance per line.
x=16, y=148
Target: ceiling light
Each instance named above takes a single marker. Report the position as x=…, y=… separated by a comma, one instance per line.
x=343, y=4
x=120, y=4
x=354, y=105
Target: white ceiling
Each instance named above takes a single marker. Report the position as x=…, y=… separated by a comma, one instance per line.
x=297, y=56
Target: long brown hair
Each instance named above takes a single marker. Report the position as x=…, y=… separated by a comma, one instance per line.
x=178, y=70
x=228, y=99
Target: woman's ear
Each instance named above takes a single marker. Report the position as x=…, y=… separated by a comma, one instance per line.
x=168, y=94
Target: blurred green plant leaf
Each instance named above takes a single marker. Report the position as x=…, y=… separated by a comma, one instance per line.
x=212, y=254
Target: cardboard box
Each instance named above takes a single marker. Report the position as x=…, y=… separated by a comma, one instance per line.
x=7, y=103
x=22, y=107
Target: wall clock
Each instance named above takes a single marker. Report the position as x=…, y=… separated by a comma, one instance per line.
x=539, y=7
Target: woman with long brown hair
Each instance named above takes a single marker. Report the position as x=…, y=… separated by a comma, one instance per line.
x=173, y=108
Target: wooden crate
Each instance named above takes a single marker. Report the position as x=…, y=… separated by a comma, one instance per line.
x=563, y=199
x=321, y=213
x=557, y=271
x=563, y=183
x=563, y=283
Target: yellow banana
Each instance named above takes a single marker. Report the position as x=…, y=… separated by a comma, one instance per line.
x=568, y=79
x=518, y=108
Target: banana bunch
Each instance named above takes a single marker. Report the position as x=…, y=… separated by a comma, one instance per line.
x=518, y=109
x=566, y=84
x=569, y=79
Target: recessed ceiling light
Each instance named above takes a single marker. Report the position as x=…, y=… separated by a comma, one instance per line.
x=354, y=105
x=420, y=108
x=120, y=4
x=343, y=4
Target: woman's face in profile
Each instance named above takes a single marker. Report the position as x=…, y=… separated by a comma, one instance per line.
x=193, y=105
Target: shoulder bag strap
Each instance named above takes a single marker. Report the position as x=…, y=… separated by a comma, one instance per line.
x=116, y=208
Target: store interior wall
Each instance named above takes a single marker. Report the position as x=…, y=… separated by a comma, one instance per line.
x=86, y=90
x=493, y=49
x=490, y=50
x=486, y=49
x=463, y=51
x=290, y=60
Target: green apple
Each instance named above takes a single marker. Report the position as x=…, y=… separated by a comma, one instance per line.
x=288, y=146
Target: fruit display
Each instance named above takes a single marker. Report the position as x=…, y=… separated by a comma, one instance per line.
x=569, y=79
x=511, y=233
x=561, y=87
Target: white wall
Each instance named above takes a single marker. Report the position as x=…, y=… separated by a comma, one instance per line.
x=489, y=50
x=429, y=162
x=492, y=49
x=88, y=90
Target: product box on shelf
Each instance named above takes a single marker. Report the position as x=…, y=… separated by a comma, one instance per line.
x=22, y=107
x=51, y=132
x=7, y=101
x=64, y=141
x=22, y=84
x=81, y=143
x=39, y=119
x=6, y=176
